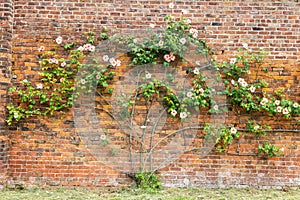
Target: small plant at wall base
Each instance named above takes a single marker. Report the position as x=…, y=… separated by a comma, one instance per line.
x=147, y=180
x=56, y=89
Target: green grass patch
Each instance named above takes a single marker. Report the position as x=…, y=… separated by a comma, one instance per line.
x=140, y=194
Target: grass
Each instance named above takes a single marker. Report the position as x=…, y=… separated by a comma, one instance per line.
x=138, y=194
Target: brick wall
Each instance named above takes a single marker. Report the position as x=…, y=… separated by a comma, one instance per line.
x=240, y=167
x=48, y=151
x=6, y=19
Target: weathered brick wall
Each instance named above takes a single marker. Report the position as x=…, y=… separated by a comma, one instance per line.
x=6, y=19
x=47, y=151
x=4, y=148
x=240, y=167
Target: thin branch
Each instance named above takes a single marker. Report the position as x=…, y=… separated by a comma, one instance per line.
x=143, y=134
x=151, y=139
x=131, y=122
x=240, y=154
x=273, y=130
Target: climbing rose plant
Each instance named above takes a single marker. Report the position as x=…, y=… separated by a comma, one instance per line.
x=55, y=90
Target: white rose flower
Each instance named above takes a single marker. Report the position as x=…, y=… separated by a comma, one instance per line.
x=16, y=115
x=182, y=40
x=279, y=109
x=232, y=60
x=252, y=88
x=196, y=71
x=256, y=127
x=39, y=86
x=233, y=130
x=105, y=58
x=81, y=48
x=171, y=5
x=160, y=43
x=173, y=113
x=216, y=107
x=113, y=62
x=152, y=25
x=63, y=64
x=103, y=137
x=183, y=115
x=277, y=102
x=59, y=40
x=244, y=84
x=245, y=45
x=189, y=94
x=118, y=63
x=241, y=80
x=285, y=111
x=148, y=76
x=264, y=101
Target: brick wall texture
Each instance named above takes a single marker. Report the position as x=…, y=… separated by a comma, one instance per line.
x=47, y=151
x=6, y=19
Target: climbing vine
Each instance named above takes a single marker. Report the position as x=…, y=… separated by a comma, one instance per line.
x=55, y=91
